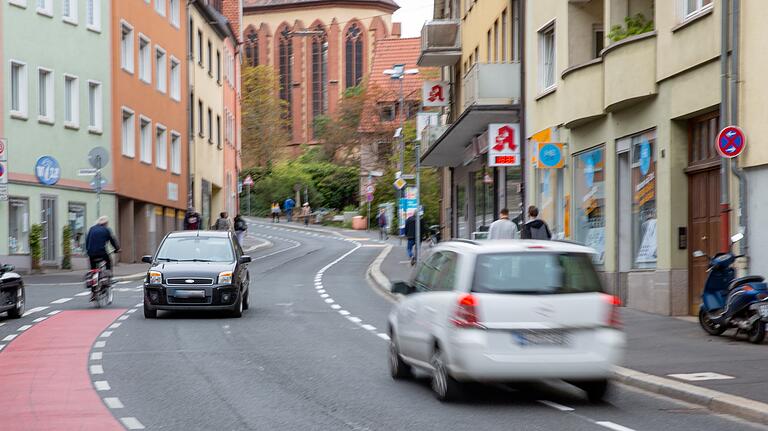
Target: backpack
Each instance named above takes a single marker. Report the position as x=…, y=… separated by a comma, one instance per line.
x=241, y=225
x=539, y=232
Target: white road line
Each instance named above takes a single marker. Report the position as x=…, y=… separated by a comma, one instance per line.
x=354, y=319
x=105, y=334
x=336, y=306
x=556, y=406
x=40, y=319
x=102, y=385
x=325, y=295
x=329, y=301
x=132, y=310
x=139, y=305
x=123, y=317
x=321, y=291
x=54, y=312
x=383, y=336
x=369, y=327
x=10, y=337
x=96, y=356
x=96, y=369
x=2, y=323
x=113, y=403
x=115, y=325
x=82, y=293
x=24, y=328
x=132, y=423
x=99, y=344
x=61, y=301
x=33, y=310
x=613, y=426
x=344, y=312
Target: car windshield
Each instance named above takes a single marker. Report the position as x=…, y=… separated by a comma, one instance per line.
x=196, y=249
x=535, y=273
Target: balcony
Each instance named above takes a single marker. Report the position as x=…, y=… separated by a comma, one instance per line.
x=430, y=135
x=492, y=84
x=440, y=43
x=630, y=71
x=582, y=89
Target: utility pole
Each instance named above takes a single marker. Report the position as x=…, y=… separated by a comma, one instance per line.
x=418, y=201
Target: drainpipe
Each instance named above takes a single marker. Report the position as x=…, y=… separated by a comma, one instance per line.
x=737, y=171
x=520, y=6
x=190, y=120
x=724, y=183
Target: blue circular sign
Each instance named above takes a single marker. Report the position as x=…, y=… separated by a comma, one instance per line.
x=550, y=155
x=589, y=171
x=645, y=157
x=47, y=170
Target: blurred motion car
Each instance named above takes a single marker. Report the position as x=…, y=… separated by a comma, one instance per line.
x=505, y=311
x=12, y=294
x=197, y=270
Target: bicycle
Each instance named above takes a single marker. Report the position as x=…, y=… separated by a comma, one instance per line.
x=100, y=282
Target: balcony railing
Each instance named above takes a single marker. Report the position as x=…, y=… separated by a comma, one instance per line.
x=440, y=43
x=430, y=135
x=492, y=84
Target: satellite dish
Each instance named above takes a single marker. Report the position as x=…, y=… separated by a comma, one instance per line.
x=98, y=157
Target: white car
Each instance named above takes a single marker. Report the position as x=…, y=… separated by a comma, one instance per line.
x=504, y=311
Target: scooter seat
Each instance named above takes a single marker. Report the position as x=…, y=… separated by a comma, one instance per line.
x=744, y=280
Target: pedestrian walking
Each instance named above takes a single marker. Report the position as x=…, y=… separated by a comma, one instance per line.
x=240, y=228
x=306, y=212
x=223, y=222
x=191, y=220
x=535, y=228
x=382, y=222
x=275, y=212
x=503, y=228
x=289, y=205
x=410, y=235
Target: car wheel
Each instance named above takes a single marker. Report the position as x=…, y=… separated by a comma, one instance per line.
x=398, y=369
x=18, y=311
x=445, y=387
x=247, y=299
x=756, y=333
x=595, y=389
x=148, y=313
x=237, y=312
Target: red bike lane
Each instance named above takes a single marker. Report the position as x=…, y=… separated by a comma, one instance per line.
x=44, y=380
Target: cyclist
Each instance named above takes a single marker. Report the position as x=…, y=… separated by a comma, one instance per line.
x=99, y=235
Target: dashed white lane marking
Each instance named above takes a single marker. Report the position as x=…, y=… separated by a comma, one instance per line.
x=344, y=312
x=24, y=328
x=132, y=310
x=613, y=426
x=383, y=336
x=61, y=301
x=354, y=319
x=96, y=356
x=321, y=291
x=556, y=406
x=324, y=295
x=115, y=325
x=40, y=319
x=329, y=301
x=113, y=403
x=82, y=293
x=105, y=334
x=33, y=310
x=368, y=327
x=123, y=282
x=132, y=423
x=699, y=377
x=10, y=337
x=123, y=317
x=336, y=306
x=54, y=312
x=99, y=344
x=96, y=369
x=102, y=385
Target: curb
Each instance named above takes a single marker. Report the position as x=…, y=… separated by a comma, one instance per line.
x=380, y=281
x=264, y=244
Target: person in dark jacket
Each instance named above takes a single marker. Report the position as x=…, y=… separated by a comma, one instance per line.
x=99, y=235
x=191, y=220
x=410, y=233
x=240, y=227
x=381, y=220
x=535, y=228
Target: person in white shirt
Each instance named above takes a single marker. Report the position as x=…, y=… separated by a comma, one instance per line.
x=503, y=228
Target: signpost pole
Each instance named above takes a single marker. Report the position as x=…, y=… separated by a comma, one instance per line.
x=249, y=199
x=418, y=202
x=98, y=186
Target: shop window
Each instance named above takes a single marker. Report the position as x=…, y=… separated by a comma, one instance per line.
x=484, y=192
x=76, y=220
x=18, y=235
x=644, y=200
x=514, y=203
x=589, y=201
x=550, y=200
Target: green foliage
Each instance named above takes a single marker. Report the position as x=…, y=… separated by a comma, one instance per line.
x=339, y=134
x=36, y=245
x=66, y=245
x=265, y=124
x=634, y=25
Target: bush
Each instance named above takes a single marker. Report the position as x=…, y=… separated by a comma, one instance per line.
x=36, y=245
x=635, y=25
x=66, y=245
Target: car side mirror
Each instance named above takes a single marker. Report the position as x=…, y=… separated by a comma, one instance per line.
x=402, y=288
x=245, y=259
x=736, y=238
x=146, y=259
x=6, y=268
x=698, y=253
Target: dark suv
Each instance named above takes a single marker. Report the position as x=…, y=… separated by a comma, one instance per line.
x=197, y=270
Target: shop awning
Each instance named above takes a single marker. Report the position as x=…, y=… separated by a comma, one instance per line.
x=449, y=149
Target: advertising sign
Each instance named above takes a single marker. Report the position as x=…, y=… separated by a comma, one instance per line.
x=503, y=145
x=408, y=205
x=47, y=170
x=435, y=93
x=551, y=156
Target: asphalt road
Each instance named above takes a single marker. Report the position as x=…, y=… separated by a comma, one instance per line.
x=310, y=354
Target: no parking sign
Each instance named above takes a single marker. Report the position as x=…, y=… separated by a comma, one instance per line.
x=731, y=142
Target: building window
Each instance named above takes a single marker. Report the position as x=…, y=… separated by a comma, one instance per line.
x=387, y=112
x=175, y=153
x=175, y=12
x=286, y=68
x=45, y=7
x=200, y=48
x=547, y=57
x=161, y=144
x=19, y=94
x=210, y=126
x=598, y=40
x=128, y=133
x=319, y=74
x=218, y=131
x=644, y=200
x=160, y=7
x=126, y=47
x=252, y=48
x=488, y=50
x=18, y=234
x=353, y=51
x=210, y=59
x=93, y=14
x=496, y=41
x=69, y=11
x=45, y=95
x=145, y=60
x=218, y=67
x=161, y=70
x=76, y=216
x=693, y=7
x=504, y=36
x=95, y=115
x=145, y=140
x=175, y=79
x=71, y=101
x=200, y=114
x=589, y=199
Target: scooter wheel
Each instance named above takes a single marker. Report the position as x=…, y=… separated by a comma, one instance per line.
x=708, y=325
x=756, y=333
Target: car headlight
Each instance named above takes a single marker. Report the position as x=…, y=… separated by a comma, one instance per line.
x=155, y=277
x=225, y=277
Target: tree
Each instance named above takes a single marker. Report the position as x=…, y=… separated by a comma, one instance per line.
x=339, y=134
x=264, y=123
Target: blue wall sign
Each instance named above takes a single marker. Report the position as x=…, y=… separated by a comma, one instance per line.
x=47, y=170
x=550, y=156
x=645, y=157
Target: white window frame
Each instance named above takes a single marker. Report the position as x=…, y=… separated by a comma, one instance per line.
x=95, y=7
x=46, y=9
x=175, y=154
x=126, y=47
x=50, y=99
x=23, y=91
x=699, y=9
x=72, y=17
x=161, y=69
x=128, y=138
x=543, y=35
x=145, y=147
x=145, y=59
x=74, y=102
x=161, y=146
x=96, y=109
x=174, y=87
x=160, y=7
x=174, y=13
x=19, y=3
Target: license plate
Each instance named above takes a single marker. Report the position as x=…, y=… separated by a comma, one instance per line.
x=187, y=294
x=541, y=338
x=763, y=310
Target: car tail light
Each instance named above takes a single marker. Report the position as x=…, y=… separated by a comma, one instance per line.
x=465, y=314
x=614, y=320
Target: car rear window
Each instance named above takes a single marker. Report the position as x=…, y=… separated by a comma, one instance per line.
x=196, y=249
x=535, y=273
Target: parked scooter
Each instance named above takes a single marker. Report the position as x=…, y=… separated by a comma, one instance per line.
x=730, y=302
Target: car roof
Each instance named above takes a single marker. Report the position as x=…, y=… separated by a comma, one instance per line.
x=514, y=246
x=201, y=233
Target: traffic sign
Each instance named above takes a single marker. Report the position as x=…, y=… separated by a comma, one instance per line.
x=370, y=189
x=3, y=149
x=98, y=157
x=248, y=181
x=731, y=142
x=100, y=187
x=87, y=172
x=400, y=183
x=408, y=176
